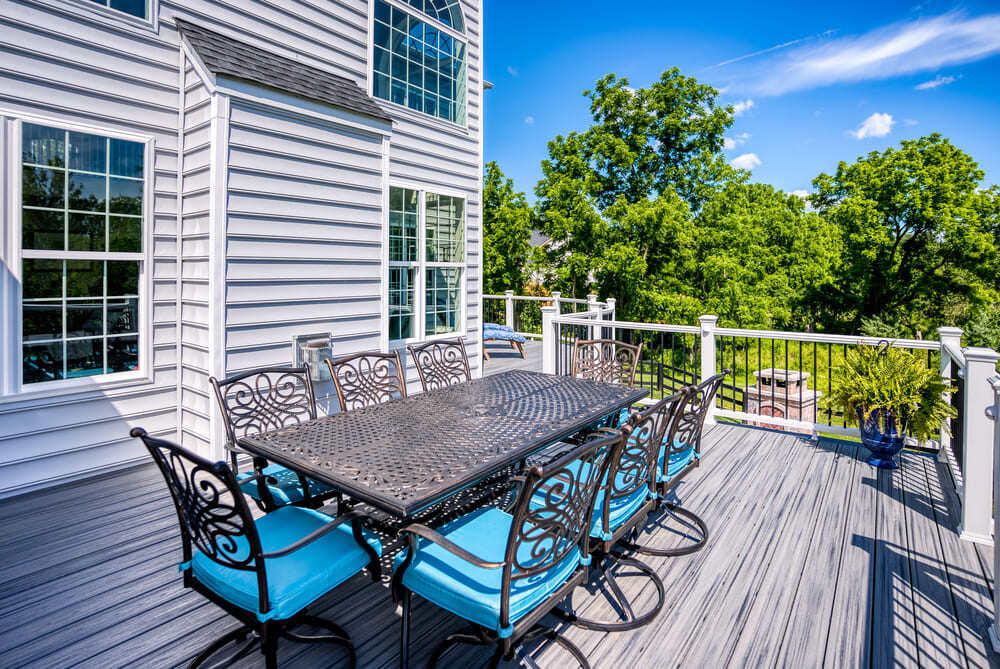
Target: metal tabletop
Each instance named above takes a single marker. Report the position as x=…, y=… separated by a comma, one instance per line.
x=408, y=454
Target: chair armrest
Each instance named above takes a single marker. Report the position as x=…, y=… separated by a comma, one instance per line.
x=437, y=538
x=352, y=517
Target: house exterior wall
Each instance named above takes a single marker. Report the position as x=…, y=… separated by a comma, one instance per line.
x=70, y=61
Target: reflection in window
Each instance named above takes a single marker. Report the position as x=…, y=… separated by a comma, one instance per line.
x=80, y=194
x=443, y=303
x=418, y=65
x=134, y=7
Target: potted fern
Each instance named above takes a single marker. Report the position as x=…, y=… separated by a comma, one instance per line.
x=894, y=394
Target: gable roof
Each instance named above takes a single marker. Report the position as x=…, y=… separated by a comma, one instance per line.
x=232, y=58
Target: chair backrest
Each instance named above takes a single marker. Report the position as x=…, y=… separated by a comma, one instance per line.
x=213, y=513
x=542, y=535
x=687, y=429
x=605, y=360
x=264, y=399
x=441, y=363
x=635, y=466
x=365, y=379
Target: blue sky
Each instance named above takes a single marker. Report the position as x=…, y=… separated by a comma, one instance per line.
x=818, y=83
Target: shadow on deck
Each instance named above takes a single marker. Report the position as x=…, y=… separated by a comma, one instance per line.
x=814, y=559
x=503, y=358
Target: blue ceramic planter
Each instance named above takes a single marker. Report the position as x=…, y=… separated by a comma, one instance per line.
x=880, y=436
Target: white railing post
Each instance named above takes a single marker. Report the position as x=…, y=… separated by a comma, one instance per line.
x=592, y=307
x=611, y=307
x=950, y=337
x=707, y=323
x=508, y=297
x=977, y=447
x=550, y=341
x=555, y=301
x=995, y=625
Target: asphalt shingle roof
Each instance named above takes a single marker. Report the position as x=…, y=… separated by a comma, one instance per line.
x=232, y=58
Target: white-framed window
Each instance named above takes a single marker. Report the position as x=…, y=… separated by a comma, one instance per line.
x=417, y=63
x=137, y=8
x=81, y=220
x=426, y=263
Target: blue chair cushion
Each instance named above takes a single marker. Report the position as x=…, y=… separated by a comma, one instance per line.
x=293, y=581
x=497, y=326
x=287, y=488
x=679, y=459
x=471, y=592
x=506, y=335
x=619, y=511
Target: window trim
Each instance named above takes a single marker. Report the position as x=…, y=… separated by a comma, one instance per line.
x=421, y=116
x=421, y=265
x=89, y=9
x=12, y=387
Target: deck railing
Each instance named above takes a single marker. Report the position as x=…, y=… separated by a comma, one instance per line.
x=524, y=312
x=778, y=379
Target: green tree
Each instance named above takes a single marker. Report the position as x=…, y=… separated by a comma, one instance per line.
x=920, y=242
x=507, y=225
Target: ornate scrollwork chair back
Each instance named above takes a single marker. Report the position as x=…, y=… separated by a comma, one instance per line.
x=366, y=379
x=441, y=363
x=264, y=399
x=690, y=422
x=606, y=360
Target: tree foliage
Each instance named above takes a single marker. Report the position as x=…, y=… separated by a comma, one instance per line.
x=507, y=225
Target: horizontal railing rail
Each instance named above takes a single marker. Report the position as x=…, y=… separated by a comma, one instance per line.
x=524, y=312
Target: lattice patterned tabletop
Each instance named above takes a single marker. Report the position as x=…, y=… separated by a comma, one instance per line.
x=407, y=454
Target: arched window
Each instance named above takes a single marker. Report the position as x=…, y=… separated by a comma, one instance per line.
x=419, y=64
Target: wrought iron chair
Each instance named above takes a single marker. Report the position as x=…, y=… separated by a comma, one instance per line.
x=441, y=363
x=264, y=572
x=679, y=456
x=606, y=361
x=624, y=501
x=266, y=399
x=365, y=379
x=503, y=572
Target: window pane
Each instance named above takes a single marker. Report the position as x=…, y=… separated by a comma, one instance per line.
x=127, y=158
x=401, y=302
x=42, y=362
x=41, y=278
x=123, y=354
x=42, y=229
x=443, y=305
x=88, y=152
x=43, y=146
x=123, y=315
x=42, y=319
x=382, y=12
x=84, y=278
x=125, y=196
x=42, y=187
x=125, y=235
x=123, y=277
x=133, y=7
x=382, y=60
x=84, y=358
x=85, y=318
x=381, y=87
x=398, y=92
x=87, y=192
x=86, y=232
x=445, y=220
x=403, y=221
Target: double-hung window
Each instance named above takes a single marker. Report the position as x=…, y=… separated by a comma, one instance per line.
x=421, y=64
x=426, y=263
x=82, y=200
x=137, y=8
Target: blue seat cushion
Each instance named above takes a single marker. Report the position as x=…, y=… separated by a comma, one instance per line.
x=506, y=335
x=681, y=457
x=471, y=592
x=497, y=326
x=293, y=581
x=619, y=510
x=287, y=488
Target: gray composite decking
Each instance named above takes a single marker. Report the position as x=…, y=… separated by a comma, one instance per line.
x=503, y=358
x=814, y=559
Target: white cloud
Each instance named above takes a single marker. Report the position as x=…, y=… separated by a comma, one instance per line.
x=906, y=47
x=801, y=193
x=876, y=125
x=935, y=82
x=512, y=71
x=730, y=143
x=747, y=161
x=529, y=120
x=910, y=122
x=742, y=107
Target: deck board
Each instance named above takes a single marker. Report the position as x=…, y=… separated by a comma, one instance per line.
x=806, y=540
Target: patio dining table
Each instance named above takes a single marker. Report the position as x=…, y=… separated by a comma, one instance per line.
x=411, y=453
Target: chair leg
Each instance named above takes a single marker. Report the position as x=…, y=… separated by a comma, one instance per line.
x=269, y=646
x=687, y=518
x=404, y=632
x=628, y=619
x=470, y=636
x=338, y=635
x=235, y=635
